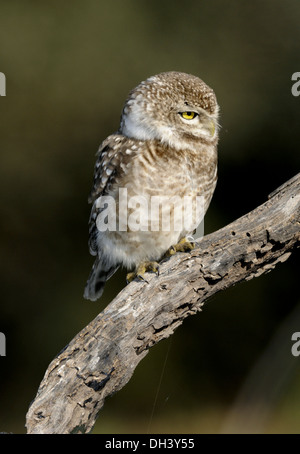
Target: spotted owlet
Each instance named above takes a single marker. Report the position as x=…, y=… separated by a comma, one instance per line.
x=164, y=154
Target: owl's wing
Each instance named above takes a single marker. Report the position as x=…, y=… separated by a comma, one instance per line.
x=112, y=157
x=108, y=157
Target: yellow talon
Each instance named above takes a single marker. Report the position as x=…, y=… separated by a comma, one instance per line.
x=184, y=245
x=141, y=269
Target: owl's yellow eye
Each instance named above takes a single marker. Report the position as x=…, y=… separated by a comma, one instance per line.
x=188, y=115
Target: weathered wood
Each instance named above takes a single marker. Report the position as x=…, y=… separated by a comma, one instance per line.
x=101, y=359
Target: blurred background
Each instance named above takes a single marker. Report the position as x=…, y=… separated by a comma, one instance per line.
x=69, y=67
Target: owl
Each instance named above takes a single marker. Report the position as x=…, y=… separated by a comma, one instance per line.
x=150, y=175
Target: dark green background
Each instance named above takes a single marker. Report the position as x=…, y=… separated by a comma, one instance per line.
x=69, y=67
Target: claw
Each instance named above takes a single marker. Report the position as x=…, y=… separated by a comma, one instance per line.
x=184, y=245
x=143, y=268
x=192, y=240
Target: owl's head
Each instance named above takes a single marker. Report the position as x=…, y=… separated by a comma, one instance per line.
x=174, y=108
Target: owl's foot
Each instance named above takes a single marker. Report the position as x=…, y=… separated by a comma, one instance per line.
x=141, y=269
x=186, y=244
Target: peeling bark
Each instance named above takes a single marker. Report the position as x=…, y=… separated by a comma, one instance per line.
x=101, y=359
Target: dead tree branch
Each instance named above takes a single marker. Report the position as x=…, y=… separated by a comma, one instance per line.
x=101, y=359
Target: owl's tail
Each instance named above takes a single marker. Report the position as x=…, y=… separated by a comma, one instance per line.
x=100, y=273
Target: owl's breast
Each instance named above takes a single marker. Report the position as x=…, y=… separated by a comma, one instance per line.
x=161, y=195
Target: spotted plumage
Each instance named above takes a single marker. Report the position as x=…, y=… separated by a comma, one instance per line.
x=166, y=147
